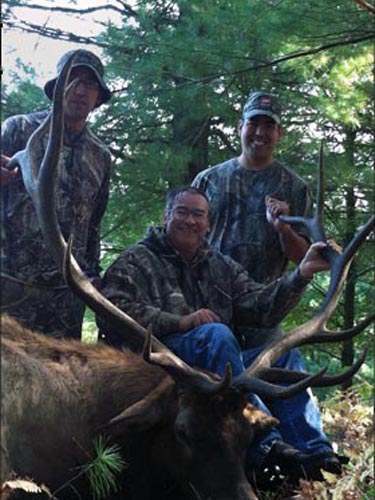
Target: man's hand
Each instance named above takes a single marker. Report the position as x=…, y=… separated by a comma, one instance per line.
x=274, y=208
x=293, y=245
x=6, y=176
x=314, y=261
x=197, y=318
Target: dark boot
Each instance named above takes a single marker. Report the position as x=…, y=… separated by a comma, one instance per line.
x=285, y=464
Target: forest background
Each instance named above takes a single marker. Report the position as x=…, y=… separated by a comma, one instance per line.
x=180, y=72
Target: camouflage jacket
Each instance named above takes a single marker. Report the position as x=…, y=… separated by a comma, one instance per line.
x=239, y=227
x=82, y=195
x=155, y=287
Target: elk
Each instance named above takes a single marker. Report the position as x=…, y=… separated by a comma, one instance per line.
x=175, y=424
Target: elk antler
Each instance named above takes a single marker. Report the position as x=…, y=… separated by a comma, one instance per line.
x=315, y=329
x=327, y=336
x=291, y=376
x=184, y=373
x=40, y=182
x=247, y=384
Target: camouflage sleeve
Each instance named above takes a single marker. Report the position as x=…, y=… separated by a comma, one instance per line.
x=92, y=257
x=12, y=138
x=264, y=306
x=127, y=284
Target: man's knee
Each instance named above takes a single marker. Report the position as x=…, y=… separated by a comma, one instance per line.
x=217, y=332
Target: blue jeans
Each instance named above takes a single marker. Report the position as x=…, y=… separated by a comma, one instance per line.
x=213, y=345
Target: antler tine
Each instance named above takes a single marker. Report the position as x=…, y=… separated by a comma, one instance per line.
x=315, y=224
x=339, y=266
x=340, y=263
x=40, y=182
x=37, y=176
x=182, y=373
x=46, y=204
x=307, y=331
x=27, y=159
x=268, y=390
x=278, y=375
x=102, y=306
x=327, y=336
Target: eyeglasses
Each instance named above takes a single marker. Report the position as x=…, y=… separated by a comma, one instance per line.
x=183, y=213
x=88, y=83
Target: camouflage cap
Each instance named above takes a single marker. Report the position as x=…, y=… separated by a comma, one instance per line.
x=262, y=103
x=83, y=58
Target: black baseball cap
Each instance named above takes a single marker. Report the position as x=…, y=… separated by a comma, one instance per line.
x=262, y=103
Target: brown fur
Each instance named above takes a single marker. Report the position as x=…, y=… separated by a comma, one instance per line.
x=58, y=394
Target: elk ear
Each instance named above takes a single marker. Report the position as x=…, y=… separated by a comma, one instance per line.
x=148, y=411
x=257, y=419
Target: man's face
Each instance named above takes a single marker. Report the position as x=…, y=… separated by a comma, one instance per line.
x=187, y=223
x=83, y=96
x=259, y=136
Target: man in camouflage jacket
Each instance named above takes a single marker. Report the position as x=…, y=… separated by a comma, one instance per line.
x=247, y=194
x=33, y=290
x=193, y=296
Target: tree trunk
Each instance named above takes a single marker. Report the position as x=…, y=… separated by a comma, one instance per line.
x=191, y=134
x=347, y=354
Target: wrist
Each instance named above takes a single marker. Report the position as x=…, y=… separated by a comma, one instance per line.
x=305, y=273
x=183, y=324
x=283, y=228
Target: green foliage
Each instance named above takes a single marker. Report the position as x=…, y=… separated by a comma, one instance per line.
x=184, y=69
x=23, y=95
x=89, y=329
x=181, y=71
x=104, y=469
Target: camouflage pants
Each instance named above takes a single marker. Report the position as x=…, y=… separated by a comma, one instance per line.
x=51, y=310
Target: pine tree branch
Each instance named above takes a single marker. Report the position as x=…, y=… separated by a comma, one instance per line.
x=55, y=34
x=126, y=10
x=287, y=57
x=366, y=5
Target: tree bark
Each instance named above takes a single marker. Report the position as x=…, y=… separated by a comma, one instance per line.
x=192, y=134
x=347, y=354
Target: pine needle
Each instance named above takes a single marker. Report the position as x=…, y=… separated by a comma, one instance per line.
x=102, y=472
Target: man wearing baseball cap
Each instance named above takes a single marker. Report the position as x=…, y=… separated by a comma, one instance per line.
x=247, y=194
x=33, y=290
